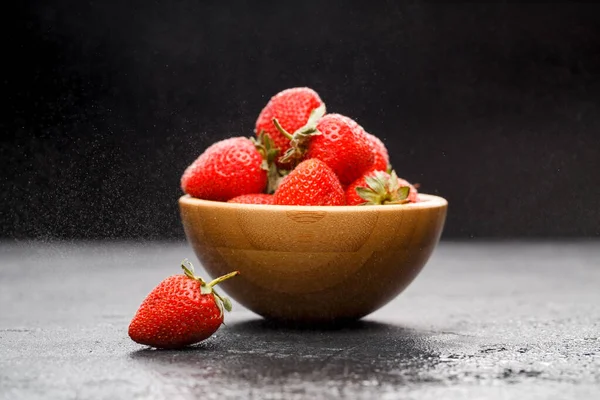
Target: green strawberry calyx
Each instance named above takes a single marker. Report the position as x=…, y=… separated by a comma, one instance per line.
x=208, y=288
x=383, y=188
x=300, y=139
x=266, y=147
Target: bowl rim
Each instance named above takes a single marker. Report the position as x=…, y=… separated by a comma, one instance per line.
x=428, y=201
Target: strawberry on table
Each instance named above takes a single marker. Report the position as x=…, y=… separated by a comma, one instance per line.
x=254, y=198
x=230, y=168
x=180, y=311
x=311, y=183
x=292, y=108
x=379, y=187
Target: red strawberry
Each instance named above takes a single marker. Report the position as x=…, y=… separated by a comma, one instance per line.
x=379, y=187
x=311, y=183
x=254, y=198
x=292, y=108
x=381, y=157
x=180, y=311
x=336, y=140
x=230, y=168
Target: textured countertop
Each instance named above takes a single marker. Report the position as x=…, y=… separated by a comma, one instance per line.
x=492, y=320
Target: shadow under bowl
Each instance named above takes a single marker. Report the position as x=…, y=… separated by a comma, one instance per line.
x=307, y=264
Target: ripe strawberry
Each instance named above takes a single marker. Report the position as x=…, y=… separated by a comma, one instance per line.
x=254, y=198
x=292, y=108
x=381, y=157
x=311, y=183
x=180, y=311
x=230, y=168
x=338, y=141
x=379, y=187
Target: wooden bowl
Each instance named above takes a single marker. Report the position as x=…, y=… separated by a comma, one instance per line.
x=306, y=264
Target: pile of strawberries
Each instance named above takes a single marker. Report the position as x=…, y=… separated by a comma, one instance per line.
x=299, y=156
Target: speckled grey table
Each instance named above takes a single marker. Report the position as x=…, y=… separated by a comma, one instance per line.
x=483, y=320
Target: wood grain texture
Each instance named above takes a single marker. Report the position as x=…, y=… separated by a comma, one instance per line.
x=314, y=264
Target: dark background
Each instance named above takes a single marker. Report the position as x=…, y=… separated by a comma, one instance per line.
x=494, y=106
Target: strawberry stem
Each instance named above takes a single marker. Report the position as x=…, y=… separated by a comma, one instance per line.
x=265, y=146
x=224, y=300
x=207, y=288
x=383, y=188
x=222, y=278
x=316, y=115
x=300, y=139
x=281, y=130
x=188, y=269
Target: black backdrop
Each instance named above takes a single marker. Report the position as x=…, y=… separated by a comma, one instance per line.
x=495, y=106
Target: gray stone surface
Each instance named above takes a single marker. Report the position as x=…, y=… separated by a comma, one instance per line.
x=483, y=320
